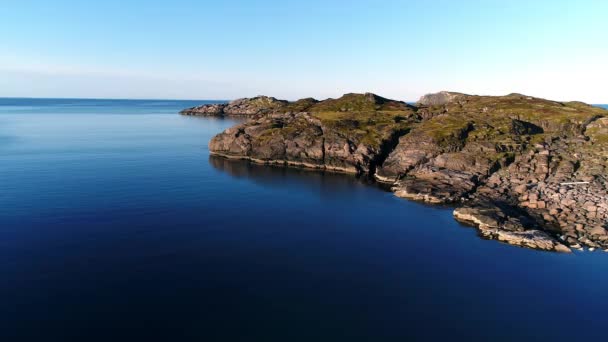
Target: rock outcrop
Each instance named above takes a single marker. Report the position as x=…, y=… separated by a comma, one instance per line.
x=513, y=228
x=438, y=99
x=205, y=110
x=350, y=134
x=533, y=167
x=241, y=107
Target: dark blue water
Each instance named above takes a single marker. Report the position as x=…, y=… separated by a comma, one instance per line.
x=115, y=224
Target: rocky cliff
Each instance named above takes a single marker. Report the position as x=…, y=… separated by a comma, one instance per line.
x=527, y=171
x=350, y=134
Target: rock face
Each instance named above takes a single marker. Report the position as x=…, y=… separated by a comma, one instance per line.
x=509, y=161
x=331, y=135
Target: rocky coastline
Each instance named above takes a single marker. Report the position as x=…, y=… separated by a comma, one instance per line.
x=525, y=171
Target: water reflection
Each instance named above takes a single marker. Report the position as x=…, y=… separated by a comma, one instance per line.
x=281, y=176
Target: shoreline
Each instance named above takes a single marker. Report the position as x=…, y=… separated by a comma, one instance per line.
x=540, y=240
x=287, y=163
x=467, y=151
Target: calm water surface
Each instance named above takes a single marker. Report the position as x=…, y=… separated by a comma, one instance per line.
x=115, y=224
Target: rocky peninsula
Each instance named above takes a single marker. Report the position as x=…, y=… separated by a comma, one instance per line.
x=523, y=170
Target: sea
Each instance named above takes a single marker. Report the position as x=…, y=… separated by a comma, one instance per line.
x=117, y=225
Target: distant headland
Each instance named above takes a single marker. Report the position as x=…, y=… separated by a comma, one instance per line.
x=523, y=170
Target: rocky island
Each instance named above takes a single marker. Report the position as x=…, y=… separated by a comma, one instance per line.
x=523, y=170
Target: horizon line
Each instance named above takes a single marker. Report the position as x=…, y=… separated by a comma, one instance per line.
x=218, y=100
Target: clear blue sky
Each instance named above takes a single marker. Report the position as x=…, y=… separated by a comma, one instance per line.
x=227, y=49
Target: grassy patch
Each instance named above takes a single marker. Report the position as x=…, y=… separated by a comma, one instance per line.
x=360, y=103
x=301, y=105
x=597, y=135
x=446, y=128
x=368, y=127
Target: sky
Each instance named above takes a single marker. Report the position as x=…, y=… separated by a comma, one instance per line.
x=292, y=49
